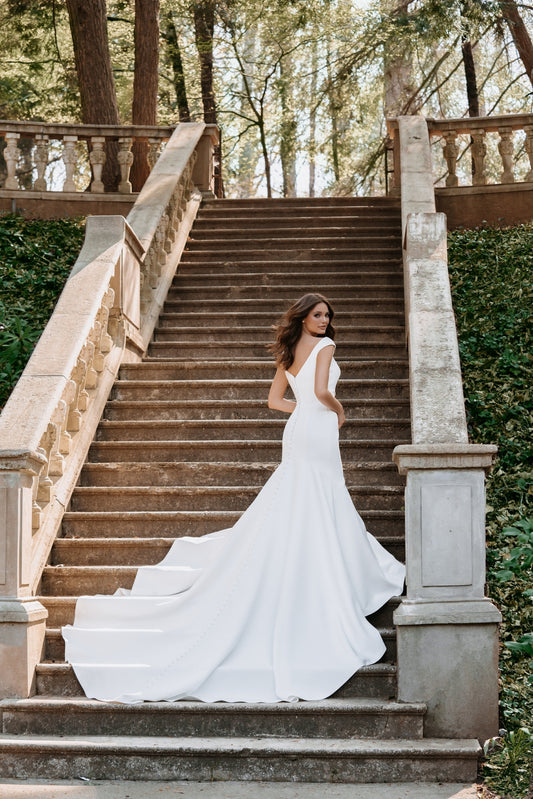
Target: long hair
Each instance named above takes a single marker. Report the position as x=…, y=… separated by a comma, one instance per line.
x=289, y=329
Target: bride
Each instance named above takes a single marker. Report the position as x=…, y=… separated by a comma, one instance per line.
x=274, y=608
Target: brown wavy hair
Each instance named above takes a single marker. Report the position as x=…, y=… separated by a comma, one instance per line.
x=289, y=329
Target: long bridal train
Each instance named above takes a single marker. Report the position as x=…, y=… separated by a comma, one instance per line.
x=272, y=609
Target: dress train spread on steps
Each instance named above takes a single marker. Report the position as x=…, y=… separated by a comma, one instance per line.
x=272, y=609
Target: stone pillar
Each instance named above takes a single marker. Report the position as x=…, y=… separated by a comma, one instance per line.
x=204, y=169
x=447, y=629
x=22, y=617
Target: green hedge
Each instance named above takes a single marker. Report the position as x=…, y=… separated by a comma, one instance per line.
x=492, y=283
x=35, y=260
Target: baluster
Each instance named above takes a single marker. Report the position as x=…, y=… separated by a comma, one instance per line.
x=91, y=378
x=505, y=148
x=529, y=150
x=479, y=151
x=451, y=152
x=145, y=290
x=11, y=157
x=70, y=159
x=153, y=152
x=56, y=459
x=125, y=160
x=97, y=158
x=41, y=161
x=78, y=377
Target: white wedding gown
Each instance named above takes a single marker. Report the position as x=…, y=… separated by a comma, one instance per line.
x=272, y=609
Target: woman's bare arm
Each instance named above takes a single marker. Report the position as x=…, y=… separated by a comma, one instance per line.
x=276, y=399
x=322, y=392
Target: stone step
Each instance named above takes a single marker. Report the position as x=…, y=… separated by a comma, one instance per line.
x=304, y=240
x=228, y=320
x=123, y=498
x=373, y=291
x=72, y=580
x=218, y=474
x=342, y=718
x=129, y=389
x=263, y=204
x=279, y=306
x=178, y=347
x=350, y=760
x=255, y=369
x=334, y=265
x=326, y=278
x=116, y=410
x=143, y=551
x=311, y=252
x=172, y=523
x=377, y=681
x=55, y=645
x=320, y=227
x=339, y=225
x=250, y=336
x=249, y=429
x=374, y=449
x=61, y=611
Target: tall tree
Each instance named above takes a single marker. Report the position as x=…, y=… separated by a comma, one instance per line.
x=399, y=90
x=520, y=34
x=170, y=35
x=145, y=82
x=204, y=28
x=88, y=26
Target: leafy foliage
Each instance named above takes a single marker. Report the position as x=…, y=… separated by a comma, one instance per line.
x=35, y=260
x=492, y=284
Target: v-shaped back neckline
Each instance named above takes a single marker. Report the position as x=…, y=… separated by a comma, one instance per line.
x=320, y=338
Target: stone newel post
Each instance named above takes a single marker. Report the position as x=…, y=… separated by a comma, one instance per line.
x=447, y=628
x=22, y=617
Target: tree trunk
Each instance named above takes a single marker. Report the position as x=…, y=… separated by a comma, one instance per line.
x=521, y=37
x=88, y=26
x=145, y=82
x=170, y=36
x=204, y=26
x=287, y=145
x=312, y=118
x=399, y=89
x=470, y=76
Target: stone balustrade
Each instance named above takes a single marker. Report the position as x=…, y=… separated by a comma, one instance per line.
x=475, y=131
x=29, y=147
x=482, y=168
x=447, y=628
x=104, y=316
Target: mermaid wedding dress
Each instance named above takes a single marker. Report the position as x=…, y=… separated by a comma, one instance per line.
x=272, y=609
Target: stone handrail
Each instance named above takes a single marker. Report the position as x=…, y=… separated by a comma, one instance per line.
x=23, y=162
x=104, y=316
x=476, y=129
x=447, y=629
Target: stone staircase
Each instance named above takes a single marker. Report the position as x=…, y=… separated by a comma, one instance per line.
x=185, y=444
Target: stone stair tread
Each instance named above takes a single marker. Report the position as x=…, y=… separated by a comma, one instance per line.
x=244, y=746
x=307, y=707
x=217, y=489
x=275, y=424
x=146, y=515
x=70, y=601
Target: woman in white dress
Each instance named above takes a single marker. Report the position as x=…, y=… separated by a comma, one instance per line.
x=274, y=608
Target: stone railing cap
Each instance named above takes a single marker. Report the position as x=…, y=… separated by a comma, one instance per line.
x=21, y=460
x=444, y=456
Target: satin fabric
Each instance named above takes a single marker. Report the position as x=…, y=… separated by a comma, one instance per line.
x=272, y=609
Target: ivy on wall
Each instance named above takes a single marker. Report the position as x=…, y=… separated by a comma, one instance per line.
x=35, y=260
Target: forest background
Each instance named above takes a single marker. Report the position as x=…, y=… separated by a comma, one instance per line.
x=300, y=88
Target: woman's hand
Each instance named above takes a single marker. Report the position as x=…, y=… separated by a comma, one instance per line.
x=341, y=417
